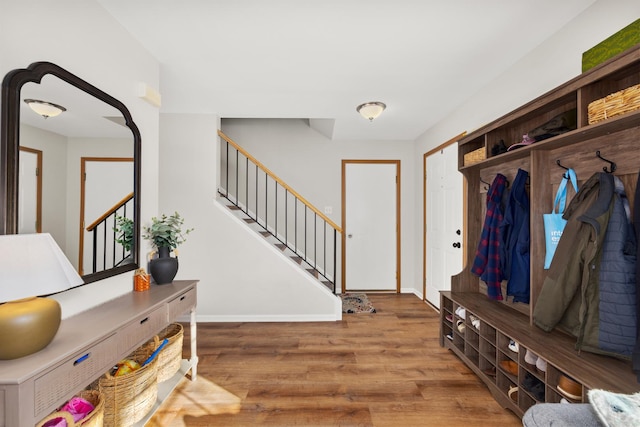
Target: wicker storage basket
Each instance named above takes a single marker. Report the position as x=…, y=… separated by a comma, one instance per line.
x=475, y=156
x=617, y=103
x=128, y=398
x=170, y=356
x=93, y=418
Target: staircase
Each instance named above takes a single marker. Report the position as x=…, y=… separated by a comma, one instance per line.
x=273, y=209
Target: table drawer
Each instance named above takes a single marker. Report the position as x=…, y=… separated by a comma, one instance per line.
x=138, y=331
x=182, y=303
x=59, y=384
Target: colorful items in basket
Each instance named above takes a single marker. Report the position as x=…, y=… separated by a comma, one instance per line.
x=141, y=281
x=78, y=407
x=127, y=366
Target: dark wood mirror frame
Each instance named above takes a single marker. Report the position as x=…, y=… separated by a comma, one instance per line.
x=10, y=146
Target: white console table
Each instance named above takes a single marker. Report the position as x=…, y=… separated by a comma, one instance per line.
x=88, y=345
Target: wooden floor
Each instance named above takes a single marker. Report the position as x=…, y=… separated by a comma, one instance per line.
x=382, y=369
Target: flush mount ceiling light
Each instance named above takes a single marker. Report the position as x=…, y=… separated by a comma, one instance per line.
x=44, y=108
x=371, y=110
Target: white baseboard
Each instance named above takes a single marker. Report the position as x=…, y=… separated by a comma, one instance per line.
x=264, y=318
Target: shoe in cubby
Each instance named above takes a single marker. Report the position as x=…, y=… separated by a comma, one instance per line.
x=570, y=388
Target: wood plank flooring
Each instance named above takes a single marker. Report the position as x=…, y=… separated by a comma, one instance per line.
x=382, y=369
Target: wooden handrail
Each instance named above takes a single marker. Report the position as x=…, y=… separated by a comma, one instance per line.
x=115, y=207
x=279, y=181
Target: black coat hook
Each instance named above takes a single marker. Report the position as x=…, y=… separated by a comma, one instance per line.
x=564, y=175
x=613, y=165
x=486, y=184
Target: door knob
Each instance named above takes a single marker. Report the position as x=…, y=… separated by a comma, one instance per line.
x=458, y=232
x=456, y=245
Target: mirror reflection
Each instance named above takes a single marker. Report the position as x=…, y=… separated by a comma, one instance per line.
x=86, y=173
x=76, y=172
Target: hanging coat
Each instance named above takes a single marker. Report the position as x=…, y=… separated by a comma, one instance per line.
x=617, y=287
x=515, y=235
x=487, y=261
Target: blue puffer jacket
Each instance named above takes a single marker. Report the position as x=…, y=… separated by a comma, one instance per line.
x=617, y=308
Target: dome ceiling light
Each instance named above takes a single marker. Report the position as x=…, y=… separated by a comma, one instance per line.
x=371, y=110
x=44, y=108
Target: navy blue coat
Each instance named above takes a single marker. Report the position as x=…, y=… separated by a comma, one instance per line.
x=515, y=235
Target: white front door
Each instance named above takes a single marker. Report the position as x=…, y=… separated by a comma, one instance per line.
x=443, y=228
x=370, y=225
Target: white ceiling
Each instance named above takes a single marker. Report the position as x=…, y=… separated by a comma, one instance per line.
x=320, y=59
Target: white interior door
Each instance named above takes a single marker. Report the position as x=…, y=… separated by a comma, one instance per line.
x=443, y=255
x=370, y=226
x=28, y=197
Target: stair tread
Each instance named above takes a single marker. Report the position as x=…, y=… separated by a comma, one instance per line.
x=283, y=247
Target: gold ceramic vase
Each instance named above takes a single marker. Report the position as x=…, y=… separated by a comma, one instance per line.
x=27, y=326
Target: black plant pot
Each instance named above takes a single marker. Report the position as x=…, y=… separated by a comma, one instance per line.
x=164, y=268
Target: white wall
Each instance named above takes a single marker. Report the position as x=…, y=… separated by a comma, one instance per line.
x=311, y=164
x=81, y=37
x=551, y=64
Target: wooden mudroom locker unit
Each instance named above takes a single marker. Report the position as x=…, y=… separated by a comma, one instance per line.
x=618, y=139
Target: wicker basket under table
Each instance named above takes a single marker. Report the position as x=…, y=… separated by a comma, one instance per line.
x=170, y=357
x=128, y=398
x=93, y=418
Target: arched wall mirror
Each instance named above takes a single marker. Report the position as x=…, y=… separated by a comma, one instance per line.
x=75, y=175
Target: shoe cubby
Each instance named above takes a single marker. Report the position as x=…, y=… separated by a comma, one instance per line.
x=533, y=386
x=472, y=333
x=472, y=354
x=505, y=383
x=525, y=357
x=503, y=347
x=562, y=385
x=488, y=368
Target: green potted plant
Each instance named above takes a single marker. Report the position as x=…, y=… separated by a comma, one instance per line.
x=124, y=232
x=165, y=234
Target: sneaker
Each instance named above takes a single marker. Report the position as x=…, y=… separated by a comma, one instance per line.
x=461, y=326
x=513, y=393
x=475, y=321
x=461, y=312
x=541, y=365
x=449, y=318
x=513, y=346
x=449, y=337
x=530, y=358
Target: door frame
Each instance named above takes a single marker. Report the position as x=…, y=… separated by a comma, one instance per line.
x=442, y=146
x=345, y=162
x=38, y=154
